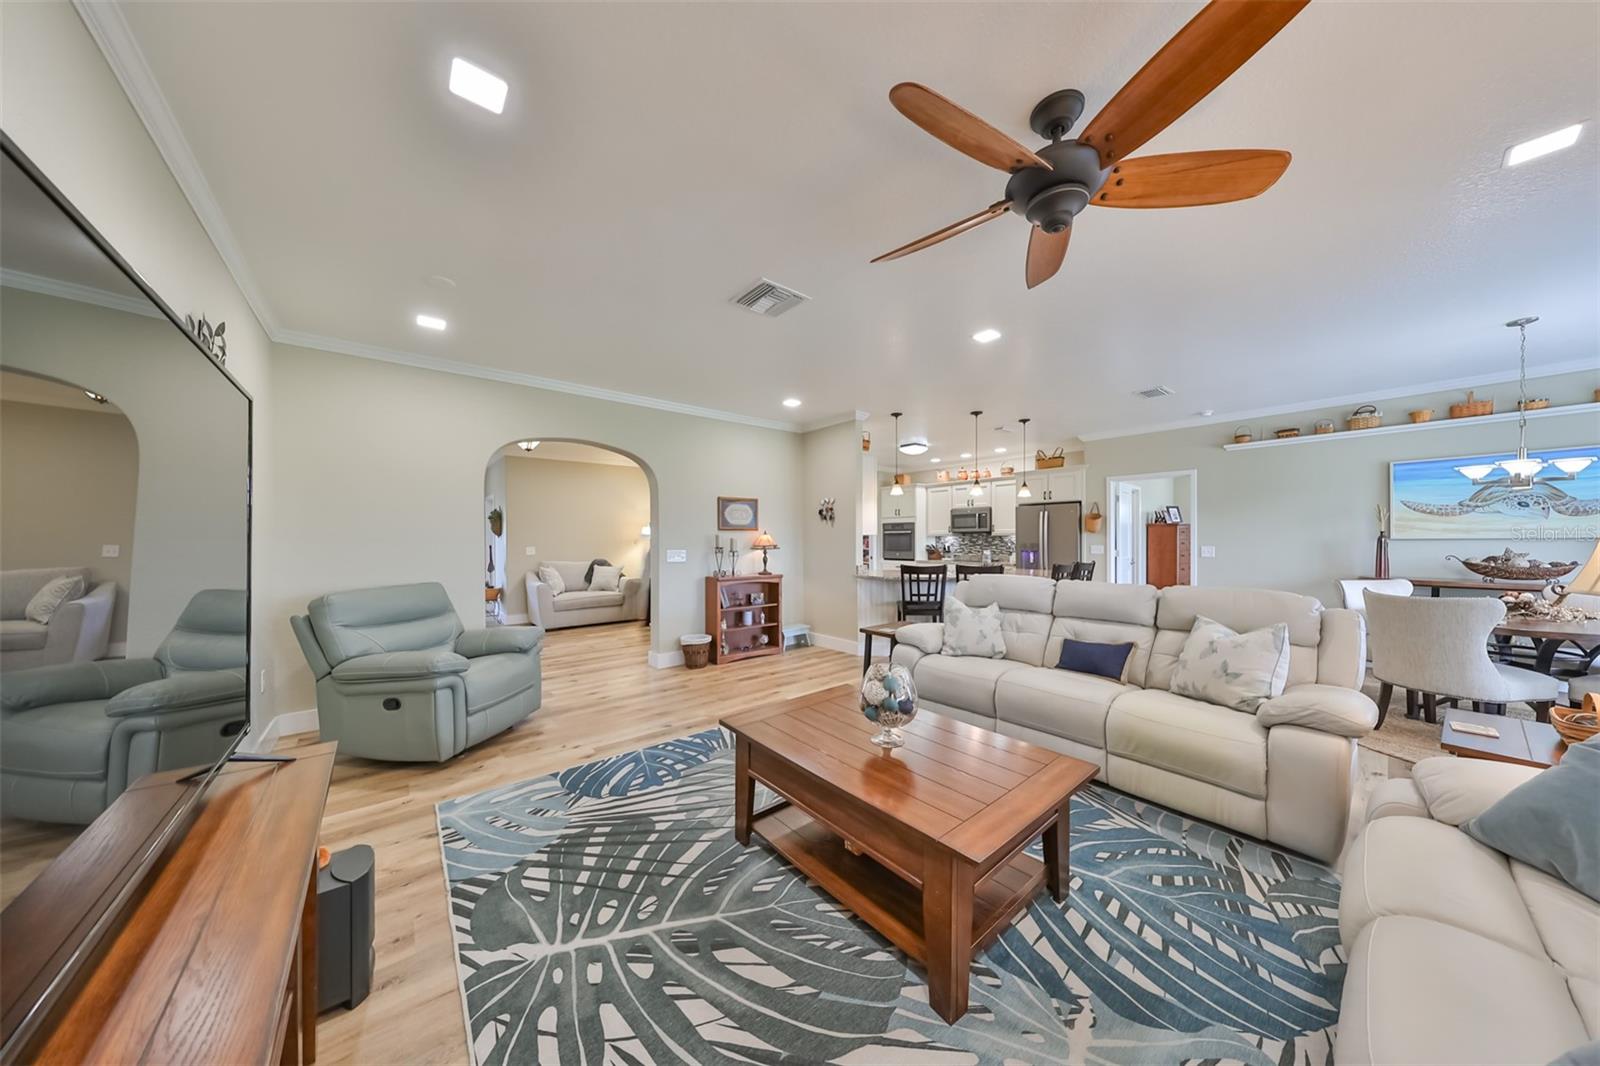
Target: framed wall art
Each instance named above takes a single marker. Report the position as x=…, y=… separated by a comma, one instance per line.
x=1472, y=498
x=737, y=512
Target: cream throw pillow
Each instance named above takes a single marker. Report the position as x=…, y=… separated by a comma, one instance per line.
x=1237, y=670
x=606, y=579
x=972, y=630
x=48, y=600
x=552, y=577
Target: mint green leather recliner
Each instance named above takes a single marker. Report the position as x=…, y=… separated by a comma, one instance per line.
x=73, y=736
x=398, y=679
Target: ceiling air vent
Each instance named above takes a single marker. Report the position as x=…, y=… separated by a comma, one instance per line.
x=1153, y=391
x=769, y=298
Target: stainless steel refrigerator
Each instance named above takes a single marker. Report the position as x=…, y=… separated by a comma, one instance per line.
x=1048, y=535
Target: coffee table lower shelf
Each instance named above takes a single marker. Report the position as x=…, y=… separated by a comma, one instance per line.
x=883, y=899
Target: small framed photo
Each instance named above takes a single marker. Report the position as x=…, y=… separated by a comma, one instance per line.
x=737, y=512
x=1174, y=516
x=758, y=598
x=1158, y=517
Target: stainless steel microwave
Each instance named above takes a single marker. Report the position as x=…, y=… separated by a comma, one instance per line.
x=971, y=519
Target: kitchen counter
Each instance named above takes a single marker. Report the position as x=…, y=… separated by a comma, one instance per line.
x=892, y=572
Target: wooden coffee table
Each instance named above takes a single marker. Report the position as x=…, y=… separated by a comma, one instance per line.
x=924, y=843
x=1520, y=741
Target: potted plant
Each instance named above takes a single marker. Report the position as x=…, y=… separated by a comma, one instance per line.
x=497, y=522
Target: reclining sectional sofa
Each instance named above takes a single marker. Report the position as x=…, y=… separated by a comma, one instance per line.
x=1457, y=953
x=1283, y=774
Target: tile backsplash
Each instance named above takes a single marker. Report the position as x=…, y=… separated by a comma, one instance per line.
x=1001, y=545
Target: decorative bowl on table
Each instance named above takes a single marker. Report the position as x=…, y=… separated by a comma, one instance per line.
x=889, y=700
x=1575, y=726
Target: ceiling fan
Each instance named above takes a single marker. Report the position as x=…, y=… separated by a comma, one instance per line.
x=1049, y=187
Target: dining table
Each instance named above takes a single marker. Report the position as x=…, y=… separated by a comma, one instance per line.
x=1548, y=635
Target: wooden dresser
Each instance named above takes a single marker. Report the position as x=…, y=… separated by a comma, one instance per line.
x=1166, y=554
x=215, y=961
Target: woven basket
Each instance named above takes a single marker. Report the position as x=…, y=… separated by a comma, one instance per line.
x=1471, y=407
x=1285, y=434
x=902, y=479
x=1241, y=435
x=1424, y=415
x=1533, y=405
x=1367, y=417
x=1322, y=427
x=1575, y=726
x=1041, y=461
x=1092, y=520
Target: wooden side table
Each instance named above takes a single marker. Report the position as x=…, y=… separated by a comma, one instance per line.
x=881, y=629
x=1522, y=742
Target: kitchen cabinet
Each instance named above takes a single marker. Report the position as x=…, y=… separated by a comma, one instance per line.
x=900, y=508
x=1003, y=504
x=939, y=502
x=1056, y=486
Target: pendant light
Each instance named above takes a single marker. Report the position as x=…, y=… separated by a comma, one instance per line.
x=977, y=486
x=1522, y=473
x=895, y=489
x=1023, y=491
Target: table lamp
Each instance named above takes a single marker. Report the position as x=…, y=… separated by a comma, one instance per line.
x=765, y=542
x=1587, y=581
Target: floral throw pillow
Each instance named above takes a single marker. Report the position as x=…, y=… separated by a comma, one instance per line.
x=1237, y=670
x=972, y=630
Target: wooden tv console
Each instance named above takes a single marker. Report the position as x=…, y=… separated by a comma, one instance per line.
x=215, y=959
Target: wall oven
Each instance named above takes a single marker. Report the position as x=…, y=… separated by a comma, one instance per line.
x=971, y=519
x=900, y=541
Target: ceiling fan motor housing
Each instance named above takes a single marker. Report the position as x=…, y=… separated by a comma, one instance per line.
x=1051, y=199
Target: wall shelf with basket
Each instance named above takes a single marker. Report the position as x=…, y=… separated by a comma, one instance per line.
x=744, y=615
x=1533, y=413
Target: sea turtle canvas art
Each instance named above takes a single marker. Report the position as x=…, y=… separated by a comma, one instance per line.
x=1431, y=499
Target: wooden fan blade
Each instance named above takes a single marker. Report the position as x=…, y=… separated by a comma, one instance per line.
x=1045, y=253
x=993, y=211
x=1202, y=55
x=1189, y=179
x=961, y=129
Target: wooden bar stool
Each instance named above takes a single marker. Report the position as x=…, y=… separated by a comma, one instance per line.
x=966, y=570
x=922, y=593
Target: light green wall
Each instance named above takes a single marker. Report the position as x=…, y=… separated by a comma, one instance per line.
x=1302, y=516
x=832, y=459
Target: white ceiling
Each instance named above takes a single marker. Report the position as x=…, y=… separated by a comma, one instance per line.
x=655, y=159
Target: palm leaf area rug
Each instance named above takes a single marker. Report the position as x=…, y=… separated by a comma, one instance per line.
x=605, y=914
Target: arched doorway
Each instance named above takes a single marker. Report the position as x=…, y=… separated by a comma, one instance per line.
x=567, y=535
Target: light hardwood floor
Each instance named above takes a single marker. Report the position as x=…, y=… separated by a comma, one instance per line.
x=599, y=699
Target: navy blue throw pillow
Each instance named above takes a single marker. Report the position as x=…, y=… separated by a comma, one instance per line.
x=1103, y=660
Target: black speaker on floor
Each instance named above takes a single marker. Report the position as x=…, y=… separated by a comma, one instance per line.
x=346, y=905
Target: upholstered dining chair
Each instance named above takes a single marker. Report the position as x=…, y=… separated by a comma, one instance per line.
x=921, y=592
x=1354, y=590
x=1437, y=648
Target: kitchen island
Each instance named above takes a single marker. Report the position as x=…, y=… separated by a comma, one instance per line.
x=878, y=589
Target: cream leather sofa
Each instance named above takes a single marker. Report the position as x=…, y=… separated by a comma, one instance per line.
x=1457, y=954
x=1284, y=774
x=580, y=605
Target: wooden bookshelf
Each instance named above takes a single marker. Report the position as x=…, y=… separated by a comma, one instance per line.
x=728, y=602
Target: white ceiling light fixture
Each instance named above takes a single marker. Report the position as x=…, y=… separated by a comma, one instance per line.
x=914, y=447
x=433, y=322
x=895, y=489
x=471, y=82
x=1023, y=491
x=986, y=336
x=966, y=455
x=527, y=445
x=95, y=396
x=1542, y=146
x=999, y=451
x=936, y=459
x=1522, y=473
x=977, y=487
x=791, y=402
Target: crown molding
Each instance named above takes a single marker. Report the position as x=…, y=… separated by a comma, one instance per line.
x=122, y=53
x=84, y=294
x=1421, y=388
x=830, y=421
x=516, y=377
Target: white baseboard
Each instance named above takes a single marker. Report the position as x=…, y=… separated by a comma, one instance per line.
x=665, y=660
x=844, y=644
x=266, y=738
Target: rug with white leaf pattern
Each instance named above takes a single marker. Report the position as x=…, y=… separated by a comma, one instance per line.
x=604, y=914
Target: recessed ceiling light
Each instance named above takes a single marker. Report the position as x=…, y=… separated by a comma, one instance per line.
x=936, y=459
x=986, y=336
x=999, y=451
x=431, y=322
x=914, y=447
x=1550, y=142
x=966, y=455
x=791, y=402
x=473, y=83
